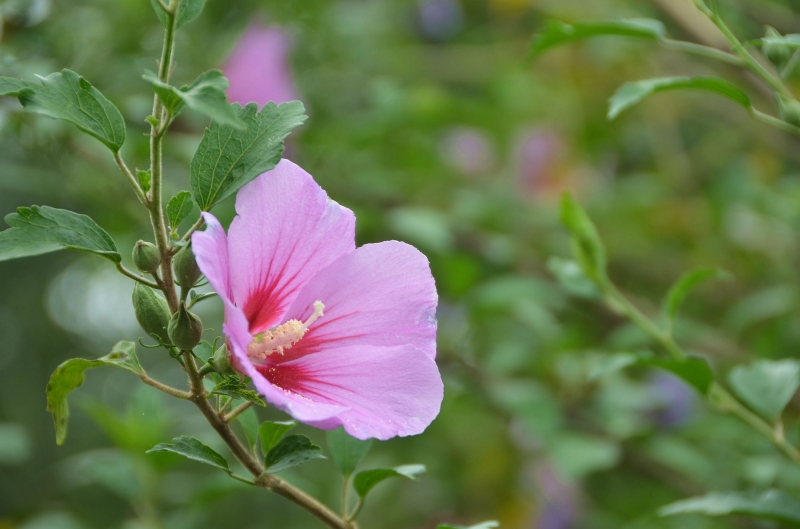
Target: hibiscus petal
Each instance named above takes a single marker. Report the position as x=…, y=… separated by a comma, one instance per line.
x=387, y=391
x=210, y=249
x=287, y=230
x=382, y=295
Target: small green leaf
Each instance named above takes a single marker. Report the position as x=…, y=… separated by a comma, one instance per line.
x=271, y=432
x=291, y=451
x=687, y=282
x=367, y=479
x=693, y=369
x=630, y=94
x=249, y=423
x=772, y=504
x=485, y=525
x=233, y=387
x=767, y=386
x=67, y=96
x=615, y=362
x=346, y=450
x=186, y=12
x=572, y=278
x=229, y=158
x=193, y=449
x=42, y=229
x=204, y=351
x=145, y=179
x=178, y=208
x=586, y=244
x=205, y=95
x=69, y=376
x=557, y=33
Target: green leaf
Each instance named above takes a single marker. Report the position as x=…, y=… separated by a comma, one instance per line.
x=572, y=278
x=249, y=423
x=193, y=449
x=687, y=282
x=694, y=370
x=485, y=525
x=615, y=362
x=204, y=351
x=178, y=208
x=586, y=243
x=42, y=229
x=346, y=450
x=67, y=96
x=630, y=94
x=69, y=376
x=773, y=504
x=145, y=179
x=11, y=86
x=271, y=432
x=236, y=388
x=557, y=33
x=291, y=451
x=186, y=12
x=229, y=158
x=205, y=95
x=367, y=479
x=767, y=386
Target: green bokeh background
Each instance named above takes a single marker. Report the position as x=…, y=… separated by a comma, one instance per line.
x=453, y=142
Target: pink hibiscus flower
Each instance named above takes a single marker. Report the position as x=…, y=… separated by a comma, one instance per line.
x=258, y=67
x=330, y=333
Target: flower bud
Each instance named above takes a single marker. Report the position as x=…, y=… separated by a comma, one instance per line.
x=778, y=54
x=789, y=111
x=185, y=329
x=186, y=270
x=152, y=311
x=146, y=257
x=221, y=361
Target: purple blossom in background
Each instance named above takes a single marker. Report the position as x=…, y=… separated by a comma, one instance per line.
x=674, y=398
x=560, y=510
x=258, y=67
x=468, y=150
x=440, y=20
x=538, y=155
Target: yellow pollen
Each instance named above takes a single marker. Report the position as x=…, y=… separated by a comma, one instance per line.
x=283, y=336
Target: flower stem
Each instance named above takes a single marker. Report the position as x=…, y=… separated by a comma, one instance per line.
x=155, y=199
x=169, y=390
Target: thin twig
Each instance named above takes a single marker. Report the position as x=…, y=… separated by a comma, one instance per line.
x=188, y=235
x=140, y=194
x=238, y=410
x=703, y=51
x=185, y=395
x=124, y=271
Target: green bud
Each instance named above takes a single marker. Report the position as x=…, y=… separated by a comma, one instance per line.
x=185, y=329
x=146, y=257
x=789, y=111
x=152, y=311
x=778, y=54
x=221, y=361
x=186, y=270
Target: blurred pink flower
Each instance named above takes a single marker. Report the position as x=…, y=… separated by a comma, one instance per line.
x=330, y=333
x=258, y=67
x=468, y=150
x=539, y=157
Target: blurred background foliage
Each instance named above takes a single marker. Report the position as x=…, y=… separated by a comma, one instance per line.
x=427, y=121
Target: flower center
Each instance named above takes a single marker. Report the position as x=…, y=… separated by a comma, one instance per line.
x=283, y=336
